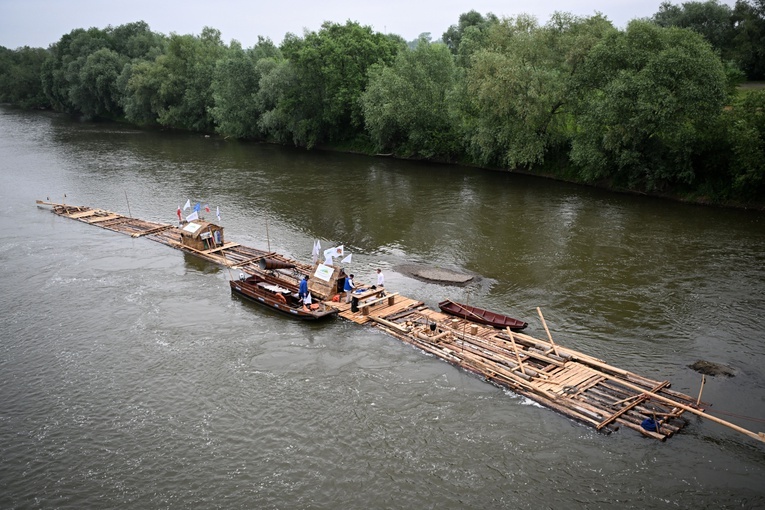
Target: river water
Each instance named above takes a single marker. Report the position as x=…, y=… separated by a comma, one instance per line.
x=131, y=378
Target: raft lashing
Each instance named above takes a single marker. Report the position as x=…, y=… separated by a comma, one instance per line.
x=574, y=384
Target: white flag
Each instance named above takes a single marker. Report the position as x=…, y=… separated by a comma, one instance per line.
x=347, y=260
x=217, y=211
x=193, y=216
x=188, y=204
x=328, y=260
x=315, y=251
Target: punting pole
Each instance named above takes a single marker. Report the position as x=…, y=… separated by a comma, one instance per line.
x=703, y=380
x=268, y=238
x=555, y=347
x=128, y=204
x=515, y=348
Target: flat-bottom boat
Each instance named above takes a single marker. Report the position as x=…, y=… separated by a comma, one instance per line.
x=280, y=296
x=475, y=314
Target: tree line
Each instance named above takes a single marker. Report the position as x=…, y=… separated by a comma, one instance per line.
x=655, y=107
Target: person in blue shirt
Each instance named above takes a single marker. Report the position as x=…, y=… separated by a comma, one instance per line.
x=303, y=291
x=348, y=288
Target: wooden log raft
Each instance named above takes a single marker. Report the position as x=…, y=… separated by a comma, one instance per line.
x=574, y=384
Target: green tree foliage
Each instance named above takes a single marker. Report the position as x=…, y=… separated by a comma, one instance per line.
x=407, y=105
x=186, y=73
x=20, y=82
x=737, y=34
x=469, y=35
x=96, y=92
x=749, y=39
x=236, y=85
x=277, y=121
x=520, y=85
x=747, y=140
x=644, y=95
x=83, y=71
x=141, y=83
x=711, y=19
x=330, y=73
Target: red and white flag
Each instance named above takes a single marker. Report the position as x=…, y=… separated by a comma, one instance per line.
x=178, y=212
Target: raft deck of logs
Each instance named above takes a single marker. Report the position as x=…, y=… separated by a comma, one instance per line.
x=576, y=385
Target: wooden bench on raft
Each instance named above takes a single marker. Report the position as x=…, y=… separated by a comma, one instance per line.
x=366, y=304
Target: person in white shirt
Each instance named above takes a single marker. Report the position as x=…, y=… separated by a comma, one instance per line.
x=380, y=278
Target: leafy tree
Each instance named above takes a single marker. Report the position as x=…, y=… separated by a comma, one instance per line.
x=236, y=84
x=749, y=38
x=644, y=96
x=137, y=41
x=520, y=85
x=84, y=69
x=469, y=20
x=20, y=82
x=407, y=105
x=186, y=73
x=61, y=71
x=710, y=18
x=277, y=121
x=330, y=74
x=96, y=92
x=747, y=139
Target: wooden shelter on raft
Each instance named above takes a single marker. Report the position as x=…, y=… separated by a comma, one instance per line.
x=325, y=281
x=201, y=235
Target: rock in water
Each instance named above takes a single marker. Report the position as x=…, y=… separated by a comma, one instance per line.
x=711, y=368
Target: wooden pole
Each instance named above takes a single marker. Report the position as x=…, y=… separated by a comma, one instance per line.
x=703, y=380
x=555, y=347
x=268, y=238
x=128, y=204
x=515, y=348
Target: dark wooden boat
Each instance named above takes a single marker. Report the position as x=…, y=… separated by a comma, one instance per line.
x=278, y=295
x=475, y=314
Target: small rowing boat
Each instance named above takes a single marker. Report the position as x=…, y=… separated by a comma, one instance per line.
x=475, y=314
x=279, y=295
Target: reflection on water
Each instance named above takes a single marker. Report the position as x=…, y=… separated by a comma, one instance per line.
x=131, y=377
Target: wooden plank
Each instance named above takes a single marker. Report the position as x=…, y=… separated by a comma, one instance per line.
x=219, y=248
x=81, y=214
x=101, y=219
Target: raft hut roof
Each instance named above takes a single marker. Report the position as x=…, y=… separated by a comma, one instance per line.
x=201, y=235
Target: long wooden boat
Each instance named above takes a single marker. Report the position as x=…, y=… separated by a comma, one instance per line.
x=475, y=314
x=278, y=295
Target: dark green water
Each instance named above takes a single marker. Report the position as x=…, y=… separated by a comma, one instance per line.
x=131, y=378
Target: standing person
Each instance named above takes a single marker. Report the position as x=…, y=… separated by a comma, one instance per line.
x=348, y=288
x=307, y=301
x=380, y=281
x=303, y=287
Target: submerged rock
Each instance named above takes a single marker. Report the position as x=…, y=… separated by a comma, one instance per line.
x=436, y=274
x=711, y=368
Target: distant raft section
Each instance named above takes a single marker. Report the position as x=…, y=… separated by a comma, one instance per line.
x=576, y=385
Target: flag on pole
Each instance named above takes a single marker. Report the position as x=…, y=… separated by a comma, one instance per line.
x=193, y=216
x=188, y=204
x=217, y=211
x=197, y=207
x=178, y=212
x=347, y=260
x=207, y=207
x=315, y=252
